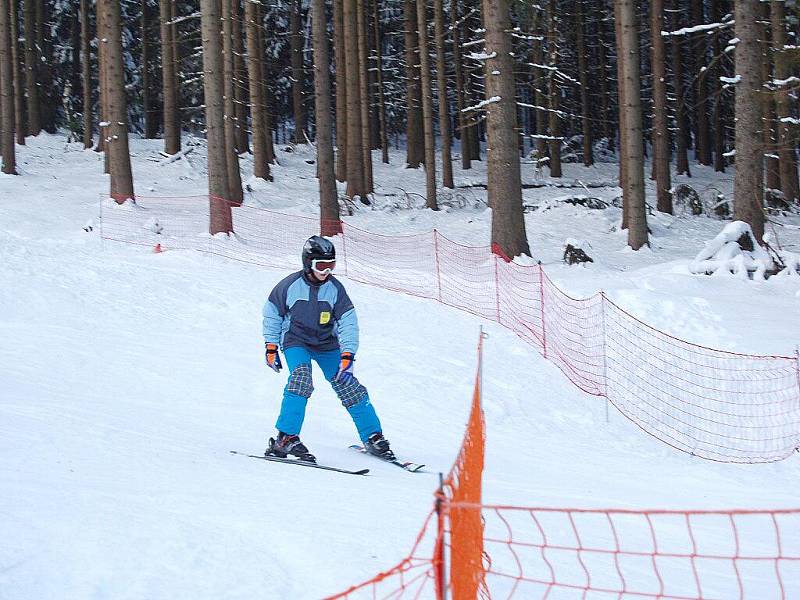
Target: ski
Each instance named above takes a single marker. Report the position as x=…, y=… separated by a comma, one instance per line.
x=300, y=463
x=408, y=466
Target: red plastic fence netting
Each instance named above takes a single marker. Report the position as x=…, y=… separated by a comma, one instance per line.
x=492, y=551
x=558, y=553
x=713, y=404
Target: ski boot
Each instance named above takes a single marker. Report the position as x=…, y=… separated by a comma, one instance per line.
x=286, y=445
x=379, y=446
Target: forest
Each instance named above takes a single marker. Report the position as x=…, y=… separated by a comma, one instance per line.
x=658, y=87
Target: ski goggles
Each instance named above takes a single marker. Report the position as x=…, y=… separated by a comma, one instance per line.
x=323, y=266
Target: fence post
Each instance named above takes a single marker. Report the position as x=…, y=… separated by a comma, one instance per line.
x=496, y=288
x=605, y=348
x=440, y=567
x=541, y=300
x=102, y=219
x=344, y=249
x=797, y=366
x=438, y=272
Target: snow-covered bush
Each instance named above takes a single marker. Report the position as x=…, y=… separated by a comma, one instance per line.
x=602, y=153
x=733, y=251
x=685, y=199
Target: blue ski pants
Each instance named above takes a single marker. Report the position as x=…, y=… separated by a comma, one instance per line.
x=353, y=395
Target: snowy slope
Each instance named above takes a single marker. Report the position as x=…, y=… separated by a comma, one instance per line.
x=127, y=377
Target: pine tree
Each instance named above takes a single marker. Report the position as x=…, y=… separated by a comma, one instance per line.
x=213, y=71
x=172, y=127
x=660, y=131
x=86, y=74
x=504, y=180
x=235, y=191
x=118, y=151
x=748, y=186
x=31, y=68
x=426, y=93
x=631, y=123
x=443, y=104
x=7, y=120
x=255, y=79
x=328, y=197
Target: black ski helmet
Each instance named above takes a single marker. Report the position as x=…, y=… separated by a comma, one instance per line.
x=317, y=248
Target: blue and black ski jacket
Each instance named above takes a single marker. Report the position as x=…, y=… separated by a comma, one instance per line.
x=318, y=317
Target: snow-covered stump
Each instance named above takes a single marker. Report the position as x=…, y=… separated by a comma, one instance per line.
x=734, y=251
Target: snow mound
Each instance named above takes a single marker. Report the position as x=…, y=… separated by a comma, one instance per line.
x=733, y=251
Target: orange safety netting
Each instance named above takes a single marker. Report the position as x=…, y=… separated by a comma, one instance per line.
x=416, y=576
x=714, y=404
x=554, y=553
x=463, y=487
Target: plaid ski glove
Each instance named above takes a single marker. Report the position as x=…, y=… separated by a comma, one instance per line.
x=273, y=358
x=345, y=372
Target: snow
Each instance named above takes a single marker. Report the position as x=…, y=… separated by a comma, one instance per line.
x=129, y=375
x=724, y=255
x=481, y=55
x=706, y=27
x=482, y=104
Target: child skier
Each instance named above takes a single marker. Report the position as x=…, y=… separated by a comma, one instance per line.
x=310, y=316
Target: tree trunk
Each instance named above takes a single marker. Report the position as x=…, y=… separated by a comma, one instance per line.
x=328, y=197
x=48, y=100
x=427, y=105
x=682, y=135
x=605, y=93
x=462, y=135
x=256, y=83
x=583, y=75
x=441, y=84
x=355, y=157
x=102, y=95
x=213, y=72
x=19, y=88
x=415, y=144
x=772, y=174
x=341, y=91
x=717, y=125
x=235, y=192
x=748, y=186
x=172, y=131
x=660, y=128
x=266, y=75
x=503, y=173
x=553, y=91
x=86, y=74
x=384, y=136
x=119, y=158
x=31, y=69
x=700, y=44
x=786, y=141
x=631, y=121
x=363, y=90
x=298, y=77
x=623, y=132
x=149, y=129
x=240, y=89
x=7, y=119
x=539, y=81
